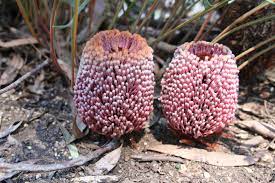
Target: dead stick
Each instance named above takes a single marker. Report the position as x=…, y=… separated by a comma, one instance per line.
x=30, y=167
x=24, y=77
x=203, y=27
x=164, y=46
x=147, y=157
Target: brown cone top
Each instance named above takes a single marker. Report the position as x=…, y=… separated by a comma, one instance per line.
x=113, y=44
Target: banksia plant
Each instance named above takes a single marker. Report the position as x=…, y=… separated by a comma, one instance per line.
x=114, y=89
x=200, y=89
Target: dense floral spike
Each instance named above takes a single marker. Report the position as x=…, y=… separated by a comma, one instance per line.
x=114, y=90
x=200, y=89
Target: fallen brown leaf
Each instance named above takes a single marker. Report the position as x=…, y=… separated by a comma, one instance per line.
x=14, y=66
x=201, y=155
x=106, y=163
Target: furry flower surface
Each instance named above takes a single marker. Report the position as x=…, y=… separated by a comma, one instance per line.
x=114, y=89
x=200, y=89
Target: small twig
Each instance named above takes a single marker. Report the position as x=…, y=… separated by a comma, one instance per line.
x=98, y=178
x=91, y=8
x=171, y=16
x=160, y=60
x=133, y=27
x=52, y=21
x=182, y=13
x=148, y=15
x=118, y=8
x=207, y=19
x=189, y=32
x=258, y=127
x=31, y=167
x=243, y=17
x=73, y=41
x=195, y=17
x=256, y=56
x=26, y=19
x=254, y=22
x=254, y=47
x=24, y=77
x=164, y=46
x=156, y=157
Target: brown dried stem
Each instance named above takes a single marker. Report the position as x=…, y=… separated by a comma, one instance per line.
x=254, y=47
x=243, y=17
x=203, y=27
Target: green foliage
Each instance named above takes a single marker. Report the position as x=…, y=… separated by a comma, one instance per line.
x=80, y=8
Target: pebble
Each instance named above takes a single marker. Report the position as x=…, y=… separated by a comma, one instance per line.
x=37, y=176
x=267, y=158
x=272, y=146
x=29, y=147
x=249, y=170
x=206, y=175
x=182, y=169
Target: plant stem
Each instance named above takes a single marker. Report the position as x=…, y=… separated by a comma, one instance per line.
x=26, y=19
x=182, y=14
x=73, y=41
x=256, y=56
x=133, y=27
x=254, y=22
x=171, y=17
x=148, y=15
x=91, y=15
x=196, y=16
x=243, y=17
x=203, y=26
x=119, y=6
x=254, y=47
x=52, y=49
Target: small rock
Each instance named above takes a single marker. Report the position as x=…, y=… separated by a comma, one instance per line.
x=267, y=157
x=182, y=169
x=249, y=170
x=155, y=167
x=272, y=146
x=37, y=176
x=132, y=163
x=206, y=175
x=29, y=147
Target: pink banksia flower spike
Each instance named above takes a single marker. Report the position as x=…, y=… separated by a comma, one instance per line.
x=114, y=89
x=200, y=89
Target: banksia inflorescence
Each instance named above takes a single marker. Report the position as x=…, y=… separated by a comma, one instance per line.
x=114, y=90
x=200, y=89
